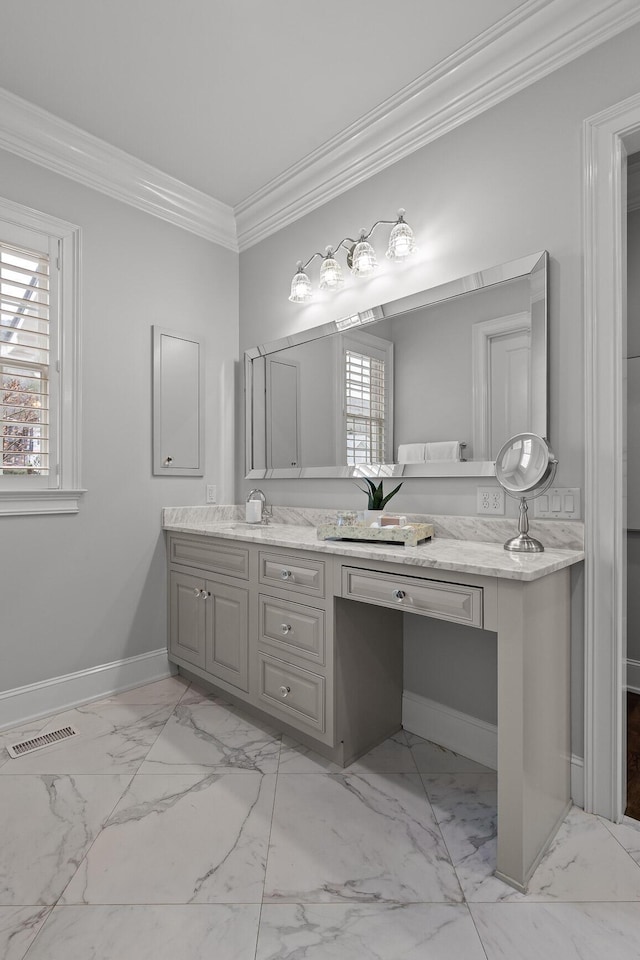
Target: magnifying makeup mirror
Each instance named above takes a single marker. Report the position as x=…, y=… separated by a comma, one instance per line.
x=525, y=468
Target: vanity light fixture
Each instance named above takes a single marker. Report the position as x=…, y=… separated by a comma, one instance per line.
x=361, y=258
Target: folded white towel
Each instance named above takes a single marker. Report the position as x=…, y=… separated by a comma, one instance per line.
x=411, y=452
x=443, y=450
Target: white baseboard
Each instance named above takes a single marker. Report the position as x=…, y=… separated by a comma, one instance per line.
x=24, y=704
x=468, y=736
x=633, y=676
x=456, y=731
x=577, y=780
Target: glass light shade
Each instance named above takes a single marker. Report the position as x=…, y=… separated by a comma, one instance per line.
x=364, y=259
x=402, y=242
x=330, y=274
x=300, y=287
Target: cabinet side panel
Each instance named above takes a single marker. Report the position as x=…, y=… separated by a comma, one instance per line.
x=368, y=675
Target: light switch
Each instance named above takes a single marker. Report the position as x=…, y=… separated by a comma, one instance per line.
x=558, y=503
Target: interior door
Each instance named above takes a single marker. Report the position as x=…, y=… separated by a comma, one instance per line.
x=501, y=382
x=509, y=392
x=283, y=413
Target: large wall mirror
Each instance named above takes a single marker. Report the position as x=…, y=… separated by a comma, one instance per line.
x=427, y=385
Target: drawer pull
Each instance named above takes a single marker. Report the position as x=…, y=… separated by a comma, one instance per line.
x=284, y=691
x=286, y=575
x=399, y=595
x=286, y=628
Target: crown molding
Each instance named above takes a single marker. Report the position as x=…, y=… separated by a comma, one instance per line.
x=535, y=39
x=45, y=139
x=539, y=37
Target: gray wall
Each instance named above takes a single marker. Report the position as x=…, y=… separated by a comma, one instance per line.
x=88, y=589
x=504, y=185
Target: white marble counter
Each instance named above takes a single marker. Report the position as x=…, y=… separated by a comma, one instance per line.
x=464, y=556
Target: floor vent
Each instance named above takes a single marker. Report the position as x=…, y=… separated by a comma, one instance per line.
x=38, y=743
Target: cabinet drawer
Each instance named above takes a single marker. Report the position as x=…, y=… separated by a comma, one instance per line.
x=292, y=628
x=432, y=598
x=292, y=573
x=293, y=691
x=210, y=555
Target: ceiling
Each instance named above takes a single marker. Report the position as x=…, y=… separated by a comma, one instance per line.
x=226, y=95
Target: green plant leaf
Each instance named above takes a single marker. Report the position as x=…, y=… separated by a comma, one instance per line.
x=389, y=495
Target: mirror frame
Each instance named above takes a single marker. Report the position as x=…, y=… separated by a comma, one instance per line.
x=534, y=266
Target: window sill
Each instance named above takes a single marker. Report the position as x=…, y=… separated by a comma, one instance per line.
x=17, y=503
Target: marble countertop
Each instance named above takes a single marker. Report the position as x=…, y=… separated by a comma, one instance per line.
x=440, y=553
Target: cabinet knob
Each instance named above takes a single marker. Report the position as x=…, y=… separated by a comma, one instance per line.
x=196, y=592
x=398, y=594
x=286, y=627
x=284, y=691
x=285, y=574
x=205, y=594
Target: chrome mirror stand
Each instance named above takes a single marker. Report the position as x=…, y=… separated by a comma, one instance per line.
x=525, y=465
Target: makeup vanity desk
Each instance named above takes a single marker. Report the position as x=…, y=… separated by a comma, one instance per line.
x=308, y=633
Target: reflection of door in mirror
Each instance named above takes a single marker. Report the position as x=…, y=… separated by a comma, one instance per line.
x=283, y=406
x=501, y=381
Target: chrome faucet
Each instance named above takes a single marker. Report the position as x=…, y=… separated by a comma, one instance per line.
x=267, y=511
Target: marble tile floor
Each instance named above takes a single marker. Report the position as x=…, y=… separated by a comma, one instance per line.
x=176, y=828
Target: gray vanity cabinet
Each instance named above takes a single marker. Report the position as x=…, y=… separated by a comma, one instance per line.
x=187, y=618
x=294, y=652
x=261, y=625
x=209, y=626
x=227, y=633
x=311, y=641
x=209, y=609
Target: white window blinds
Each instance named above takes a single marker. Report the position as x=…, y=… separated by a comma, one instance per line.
x=364, y=408
x=24, y=361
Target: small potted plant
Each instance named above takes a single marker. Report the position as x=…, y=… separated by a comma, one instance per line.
x=377, y=499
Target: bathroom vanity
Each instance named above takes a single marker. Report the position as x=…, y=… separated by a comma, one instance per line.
x=308, y=633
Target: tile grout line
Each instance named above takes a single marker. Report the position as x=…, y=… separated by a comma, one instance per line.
x=99, y=832
x=266, y=859
x=38, y=934
x=444, y=842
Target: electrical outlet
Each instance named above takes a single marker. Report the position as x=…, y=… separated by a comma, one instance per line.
x=211, y=493
x=490, y=500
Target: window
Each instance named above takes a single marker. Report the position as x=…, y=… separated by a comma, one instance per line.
x=24, y=362
x=39, y=363
x=367, y=372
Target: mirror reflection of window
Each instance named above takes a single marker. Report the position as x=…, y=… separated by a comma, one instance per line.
x=364, y=408
x=366, y=425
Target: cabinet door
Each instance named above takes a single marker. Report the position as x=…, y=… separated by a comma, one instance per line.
x=187, y=617
x=227, y=633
